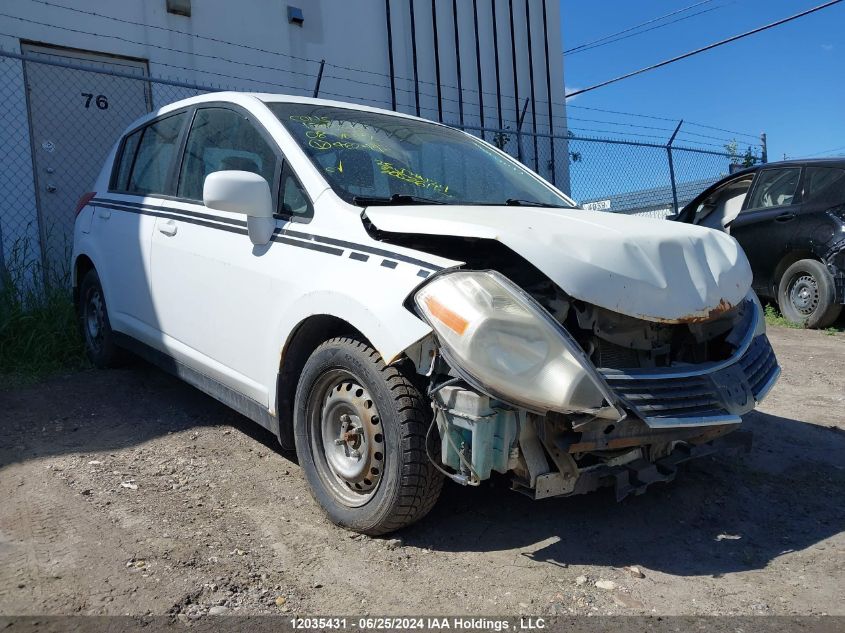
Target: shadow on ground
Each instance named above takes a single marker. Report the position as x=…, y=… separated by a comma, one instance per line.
x=720, y=516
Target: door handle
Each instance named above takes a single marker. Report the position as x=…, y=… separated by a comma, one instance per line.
x=105, y=214
x=785, y=217
x=168, y=227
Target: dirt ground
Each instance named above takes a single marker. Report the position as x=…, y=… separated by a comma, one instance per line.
x=128, y=492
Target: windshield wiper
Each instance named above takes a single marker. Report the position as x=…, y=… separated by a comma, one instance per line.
x=396, y=198
x=517, y=202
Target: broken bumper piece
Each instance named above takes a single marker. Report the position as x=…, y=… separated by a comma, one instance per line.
x=633, y=478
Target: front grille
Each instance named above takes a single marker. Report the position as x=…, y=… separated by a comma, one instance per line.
x=760, y=365
x=716, y=394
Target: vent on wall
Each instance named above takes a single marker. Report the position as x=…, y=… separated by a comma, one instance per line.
x=295, y=15
x=179, y=7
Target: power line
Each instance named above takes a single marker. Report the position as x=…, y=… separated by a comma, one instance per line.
x=636, y=26
x=827, y=151
x=721, y=129
x=705, y=48
x=656, y=118
x=599, y=44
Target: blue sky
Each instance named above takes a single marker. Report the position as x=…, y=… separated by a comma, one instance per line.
x=788, y=81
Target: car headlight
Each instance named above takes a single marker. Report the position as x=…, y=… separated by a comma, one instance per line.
x=505, y=343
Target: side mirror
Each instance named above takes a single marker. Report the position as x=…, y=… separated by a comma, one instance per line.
x=242, y=192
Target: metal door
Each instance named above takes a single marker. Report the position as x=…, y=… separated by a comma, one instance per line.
x=76, y=115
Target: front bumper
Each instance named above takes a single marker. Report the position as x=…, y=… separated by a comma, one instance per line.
x=714, y=393
x=634, y=477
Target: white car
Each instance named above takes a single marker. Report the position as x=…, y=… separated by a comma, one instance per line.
x=402, y=302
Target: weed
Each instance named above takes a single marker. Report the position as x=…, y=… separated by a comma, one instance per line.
x=774, y=317
x=38, y=329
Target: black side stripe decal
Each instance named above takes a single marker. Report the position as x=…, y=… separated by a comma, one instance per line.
x=173, y=216
x=366, y=249
x=148, y=207
x=313, y=242
x=311, y=246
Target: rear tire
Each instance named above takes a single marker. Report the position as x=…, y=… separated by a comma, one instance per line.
x=97, y=334
x=360, y=429
x=806, y=295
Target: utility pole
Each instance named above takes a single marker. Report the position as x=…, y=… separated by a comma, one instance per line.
x=764, y=150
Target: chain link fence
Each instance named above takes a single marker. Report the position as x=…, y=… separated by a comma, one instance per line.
x=61, y=119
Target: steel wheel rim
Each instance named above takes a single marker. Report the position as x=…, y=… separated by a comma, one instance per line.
x=804, y=294
x=346, y=437
x=94, y=318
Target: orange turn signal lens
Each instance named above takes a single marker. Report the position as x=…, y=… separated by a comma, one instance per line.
x=449, y=318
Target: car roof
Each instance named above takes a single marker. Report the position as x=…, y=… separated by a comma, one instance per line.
x=797, y=162
x=248, y=99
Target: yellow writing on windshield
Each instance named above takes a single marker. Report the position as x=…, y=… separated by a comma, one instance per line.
x=407, y=175
x=321, y=138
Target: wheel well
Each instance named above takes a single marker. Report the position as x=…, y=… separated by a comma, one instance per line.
x=787, y=261
x=82, y=266
x=307, y=337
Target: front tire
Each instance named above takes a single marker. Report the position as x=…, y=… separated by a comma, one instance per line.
x=97, y=334
x=806, y=295
x=360, y=429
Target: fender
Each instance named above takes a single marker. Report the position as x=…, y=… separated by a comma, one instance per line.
x=382, y=319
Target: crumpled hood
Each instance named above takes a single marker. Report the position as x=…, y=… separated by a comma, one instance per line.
x=642, y=267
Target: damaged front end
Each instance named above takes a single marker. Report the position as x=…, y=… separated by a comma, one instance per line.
x=568, y=397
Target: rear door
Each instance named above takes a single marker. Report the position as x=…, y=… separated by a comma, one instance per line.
x=768, y=226
x=124, y=219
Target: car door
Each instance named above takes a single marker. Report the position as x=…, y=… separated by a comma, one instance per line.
x=123, y=229
x=214, y=292
x=767, y=228
x=823, y=208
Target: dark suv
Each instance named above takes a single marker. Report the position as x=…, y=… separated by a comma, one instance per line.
x=789, y=217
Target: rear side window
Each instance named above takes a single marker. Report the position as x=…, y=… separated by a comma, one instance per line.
x=775, y=187
x=127, y=157
x=825, y=185
x=222, y=139
x=154, y=158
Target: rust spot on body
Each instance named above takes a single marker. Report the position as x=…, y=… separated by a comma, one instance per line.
x=720, y=309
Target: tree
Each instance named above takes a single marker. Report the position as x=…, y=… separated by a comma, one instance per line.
x=749, y=158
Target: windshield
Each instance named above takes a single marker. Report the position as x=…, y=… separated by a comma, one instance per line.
x=373, y=158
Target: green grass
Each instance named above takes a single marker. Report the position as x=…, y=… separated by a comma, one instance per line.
x=39, y=335
x=775, y=318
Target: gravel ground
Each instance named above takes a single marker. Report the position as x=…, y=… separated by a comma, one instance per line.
x=128, y=492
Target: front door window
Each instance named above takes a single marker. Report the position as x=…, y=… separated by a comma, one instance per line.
x=775, y=188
